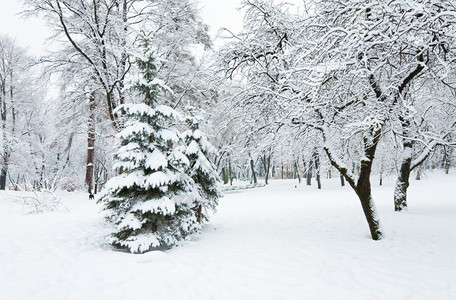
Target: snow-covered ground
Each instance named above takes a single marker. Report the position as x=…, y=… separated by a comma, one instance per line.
x=274, y=242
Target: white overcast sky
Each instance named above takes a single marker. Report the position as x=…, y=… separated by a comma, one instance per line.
x=32, y=33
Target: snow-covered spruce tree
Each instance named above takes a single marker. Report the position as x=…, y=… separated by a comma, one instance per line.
x=150, y=200
x=203, y=172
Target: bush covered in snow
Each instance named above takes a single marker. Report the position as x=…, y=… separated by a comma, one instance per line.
x=36, y=202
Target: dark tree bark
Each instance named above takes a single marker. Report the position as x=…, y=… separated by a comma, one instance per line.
x=342, y=180
x=304, y=168
x=364, y=193
x=90, y=144
x=402, y=184
x=252, y=166
x=3, y=174
x=6, y=149
x=317, y=169
x=447, y=158
x=225, y=176
x=362, y=187
x=309, y=174
x=407, y=166
x=230, y=173
x=266, y=160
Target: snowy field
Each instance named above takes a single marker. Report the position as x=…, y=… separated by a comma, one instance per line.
x=275, y=242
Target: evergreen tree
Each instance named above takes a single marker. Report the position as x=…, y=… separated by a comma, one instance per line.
x=203, y=172
x=150, y=200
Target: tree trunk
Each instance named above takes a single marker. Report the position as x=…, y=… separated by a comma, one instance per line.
x=363, y=189
x=447, y=162
x=3, y=174
x=304, y=169
x=365, y=196
x=90, y=144
x=5, y=154
x=309, y=174
x=266, y=160
x=418, y=174
x=297, y=171
x=317, y=169
x=252, y=166
x=230, y=173
x=342, y=180
x=402, y=183
x=225, y=176
x=363, y=186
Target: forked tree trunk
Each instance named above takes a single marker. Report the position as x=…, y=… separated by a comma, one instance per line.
x=363, y=186
x=266, y=165
x=90, y=144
